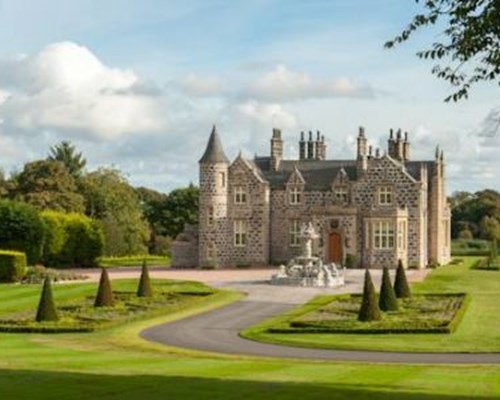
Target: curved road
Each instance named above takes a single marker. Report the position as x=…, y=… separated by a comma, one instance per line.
x=217, y=331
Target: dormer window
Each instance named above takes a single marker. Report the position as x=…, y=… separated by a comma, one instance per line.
x=295, y=196
x=341, y=194
x=385, y=195
x=240, y=195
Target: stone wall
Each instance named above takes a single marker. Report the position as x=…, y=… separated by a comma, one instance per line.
x=184, y=248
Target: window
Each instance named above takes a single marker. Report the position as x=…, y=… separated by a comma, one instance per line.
x=341, y=194
x=240, y=195
x=222, y=179
x=210, y=251
x=385, y=195
x=294, y=232
x=240, y=233
x=383, y=234
x=402, y=234
x=295, y=195
x=210, y=216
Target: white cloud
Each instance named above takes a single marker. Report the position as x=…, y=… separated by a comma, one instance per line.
x=200, y=86
x=65, y=87
x=282, y=84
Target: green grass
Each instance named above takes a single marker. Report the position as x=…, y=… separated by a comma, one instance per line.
x=117, y=364
x=478, y=331
x=134, y=261
x=421, y=313
x=78, y=314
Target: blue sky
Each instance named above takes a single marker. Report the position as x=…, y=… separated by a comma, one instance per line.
x=139, y=84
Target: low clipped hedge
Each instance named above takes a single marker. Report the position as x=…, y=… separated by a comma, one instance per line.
x=296, y=326
x=12, y=266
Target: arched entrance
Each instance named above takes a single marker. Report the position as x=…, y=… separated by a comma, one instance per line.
x=335, y=247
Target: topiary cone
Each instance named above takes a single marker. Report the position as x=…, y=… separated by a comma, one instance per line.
x=387, y=300
x=104, y=297
x=369, y=310
x=401, y=287
x=144, y=289
x=46, y=308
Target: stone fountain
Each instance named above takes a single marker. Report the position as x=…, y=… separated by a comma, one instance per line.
x=307, y=270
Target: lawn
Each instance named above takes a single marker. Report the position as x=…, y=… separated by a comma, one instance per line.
x=478, y=331
x=77, y=313
x=117, y=364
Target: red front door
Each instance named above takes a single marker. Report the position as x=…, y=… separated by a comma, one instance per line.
x=334, y=247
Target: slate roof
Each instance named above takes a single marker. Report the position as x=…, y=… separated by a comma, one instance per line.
x=318, y=174
x=214, y=152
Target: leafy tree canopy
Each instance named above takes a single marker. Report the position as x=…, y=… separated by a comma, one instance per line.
x=470, y=41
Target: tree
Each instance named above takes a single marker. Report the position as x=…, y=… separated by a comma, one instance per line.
x=493, y=257
x=110, y=199
x=401, y=287
x=46, y=308
x=21, y=229
x=47, y=185
x=144, y=289
x=180, y=208
x=104, y=297
x=387, y=299
x=471, y=40
x=66, y=153
x=369, y=310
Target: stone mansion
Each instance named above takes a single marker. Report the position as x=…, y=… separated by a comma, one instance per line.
x=372, y=210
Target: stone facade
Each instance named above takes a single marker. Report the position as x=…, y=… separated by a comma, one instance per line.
x=372, y=210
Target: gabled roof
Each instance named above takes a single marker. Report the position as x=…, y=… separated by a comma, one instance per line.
x=214, y=152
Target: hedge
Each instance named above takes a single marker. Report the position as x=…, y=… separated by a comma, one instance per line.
x=21, y=229
x=71, y=240
x=12, y=266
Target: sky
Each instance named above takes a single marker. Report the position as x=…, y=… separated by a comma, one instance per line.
x=137, y=85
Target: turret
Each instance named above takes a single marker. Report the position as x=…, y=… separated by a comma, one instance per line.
x=276, y=149
x=214, y=167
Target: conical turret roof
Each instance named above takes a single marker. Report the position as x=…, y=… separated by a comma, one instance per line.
x=214, y=152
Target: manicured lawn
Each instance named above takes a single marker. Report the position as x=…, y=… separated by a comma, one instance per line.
x=478, y=332
x=134, y=261
x=117, y=364
x=75, y=308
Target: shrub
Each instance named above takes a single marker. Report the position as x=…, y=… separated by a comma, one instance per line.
x=21, y=229
x=104, y=297
x=46, y=308
x=144, y=289
x=71, y=240
x=387, y=300
x=369, y=310
x=401, y=287
x=493, y=257
x=12, y=266
x=351, y=261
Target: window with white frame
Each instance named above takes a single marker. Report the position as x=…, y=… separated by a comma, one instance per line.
x=222, y=179
x=210, y=216
x=240, y=195
x=240, y=233
x=385, y=195
x=401, y=234
x=294, y=233
x=295, y=195
x=383, y=234
x=341, y=194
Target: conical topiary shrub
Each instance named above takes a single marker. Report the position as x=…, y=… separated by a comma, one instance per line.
x=104, y=297
x=401, y=287
x=144, y=289
x=387, y=300
x=46, y=308
x=369, y=310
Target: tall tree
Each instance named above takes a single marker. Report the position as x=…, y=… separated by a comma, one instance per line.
x=48, y=185
x=180, y=208
x=66, y=153
x=110, y=199
x=470, y=41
